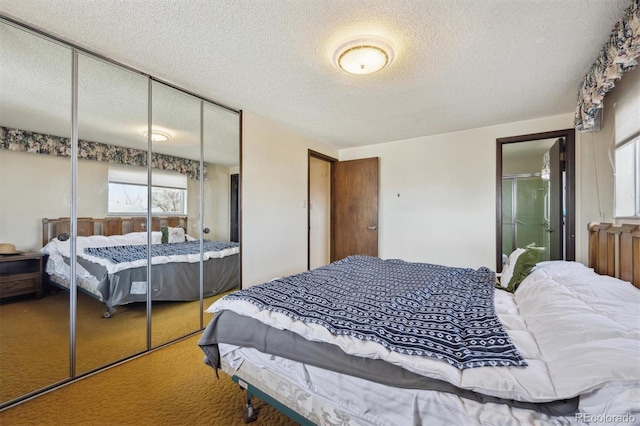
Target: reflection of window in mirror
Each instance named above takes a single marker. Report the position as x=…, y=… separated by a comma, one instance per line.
x=627, y=155
x=128, y=191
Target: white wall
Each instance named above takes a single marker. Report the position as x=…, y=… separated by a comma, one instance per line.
x=274, y=197
x=319, y=212
x=437, y=193
x=32, y=187
x=217, y=199
x=522, y=163
x=446, y=209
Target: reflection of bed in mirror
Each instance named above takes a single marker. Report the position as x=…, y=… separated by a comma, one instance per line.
x=112, y=260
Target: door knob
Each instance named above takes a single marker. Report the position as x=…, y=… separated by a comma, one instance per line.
x=372, y=227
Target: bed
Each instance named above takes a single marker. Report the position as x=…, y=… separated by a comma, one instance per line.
x=112, y=260
x=562, y=348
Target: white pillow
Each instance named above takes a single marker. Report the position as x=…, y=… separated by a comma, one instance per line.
x=507, y=268
x=176, y=235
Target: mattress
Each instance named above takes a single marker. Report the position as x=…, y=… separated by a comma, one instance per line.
x=328, y=398
x=578, y=332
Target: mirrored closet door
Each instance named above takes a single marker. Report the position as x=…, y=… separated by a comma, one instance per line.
x=35, y=182
x=118, y=212
x=220, y=194
x=111, y=185
x=175, y=286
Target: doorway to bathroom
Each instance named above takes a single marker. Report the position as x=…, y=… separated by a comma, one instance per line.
x=535, y=194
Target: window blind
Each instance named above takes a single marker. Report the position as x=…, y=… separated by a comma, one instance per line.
x=138, y=176
x=627, y=155
x=627, y=117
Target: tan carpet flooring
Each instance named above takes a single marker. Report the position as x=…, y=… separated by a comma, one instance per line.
x=169, y=386
x=34, y=337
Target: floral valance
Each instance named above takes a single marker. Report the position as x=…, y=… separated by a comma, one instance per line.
x=40, y=143
x=616, y=58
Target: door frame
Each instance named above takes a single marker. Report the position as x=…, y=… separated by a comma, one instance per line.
x=319, y=156
x=570, y=195
x=234, y=197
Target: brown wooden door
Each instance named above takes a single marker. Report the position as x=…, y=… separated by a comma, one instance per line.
x=354, y=208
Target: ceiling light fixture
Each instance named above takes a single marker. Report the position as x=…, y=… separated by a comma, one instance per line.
x=157, y=137
x=364, y=55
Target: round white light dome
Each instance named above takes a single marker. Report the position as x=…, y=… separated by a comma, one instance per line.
x=364, y=55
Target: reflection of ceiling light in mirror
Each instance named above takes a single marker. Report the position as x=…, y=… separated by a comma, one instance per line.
x=364, y=55
x=157, y=137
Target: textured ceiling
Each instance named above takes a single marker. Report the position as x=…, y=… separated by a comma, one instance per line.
x=459, y=63
x=35, y=95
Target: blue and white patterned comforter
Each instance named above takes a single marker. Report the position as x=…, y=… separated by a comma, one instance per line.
x=409, y=308
x=132, y=253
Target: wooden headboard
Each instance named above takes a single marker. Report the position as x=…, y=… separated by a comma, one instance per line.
x=87, y=226
x=615, y=251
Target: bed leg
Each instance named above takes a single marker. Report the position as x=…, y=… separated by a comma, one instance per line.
x=249, y=414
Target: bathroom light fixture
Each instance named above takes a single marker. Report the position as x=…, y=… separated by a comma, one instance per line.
x=364, y=55
x=545, y=174
x=157, y=137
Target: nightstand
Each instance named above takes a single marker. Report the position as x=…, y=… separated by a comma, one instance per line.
x=21, y=274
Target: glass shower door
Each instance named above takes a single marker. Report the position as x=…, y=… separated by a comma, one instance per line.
x=525, y=213
x=529, y=214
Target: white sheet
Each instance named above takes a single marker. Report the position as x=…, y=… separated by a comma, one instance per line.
x=578, y=331
x=56, y=249
x=374, y=403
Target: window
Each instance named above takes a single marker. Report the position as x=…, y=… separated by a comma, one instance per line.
x=627, y=156
x=128, y=191
x=628, y=179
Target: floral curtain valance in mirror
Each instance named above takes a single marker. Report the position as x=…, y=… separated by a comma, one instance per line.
x=40, y=143
x=616, y=58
